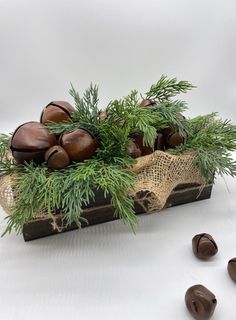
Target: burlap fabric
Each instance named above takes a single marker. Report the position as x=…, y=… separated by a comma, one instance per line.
x=158, y=173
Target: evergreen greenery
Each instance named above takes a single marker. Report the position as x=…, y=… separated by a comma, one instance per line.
x=165, y=89
x=6, y=163
x=124, y=117
x=171, y=114
x=213, y=139
x=39, y=189
x=86, y=113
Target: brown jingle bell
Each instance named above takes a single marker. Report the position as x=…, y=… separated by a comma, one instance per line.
x=232, y=269
x=30, y=141
x=204, y=246
x=200, y=302
x=56, y=158
x=102, y=115
x=160, y=142
x=174, y=140
x=79, y=144
x=133, y=150
x=57, y=111
x=172, y=137
x=138, y=139
x=147, y=103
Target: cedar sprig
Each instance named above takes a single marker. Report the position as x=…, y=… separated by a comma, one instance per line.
x=6, y=162
x=39, y=189
x=113, y=142
x=213, y=140
x=117, y=181
x=122, y=118
x=170, y=112
x=86, y=114
x=29, y=193
x=128, y=114
x=69, y=126
x=165, y=89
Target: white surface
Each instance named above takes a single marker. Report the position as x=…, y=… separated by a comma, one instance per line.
x=105, y=272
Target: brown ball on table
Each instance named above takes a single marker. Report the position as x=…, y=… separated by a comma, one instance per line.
x=57, y=111
x=30, y=141
x=138, y=139
x=133, y=150
x=56, y=158
x=79, y=144
x=147, y=103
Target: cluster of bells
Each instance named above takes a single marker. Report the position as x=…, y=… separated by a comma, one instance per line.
x=32, y=141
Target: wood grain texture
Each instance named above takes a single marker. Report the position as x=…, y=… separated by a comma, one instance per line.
x=102, y=211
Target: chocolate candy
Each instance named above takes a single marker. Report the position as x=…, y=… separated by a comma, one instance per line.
x=232, y=269
x=200, y=302
x=57, y=158
x=56, y=111
x=147, y=102
x=138, y=139
x=204, y=246
x=133, y=150
x=30, y=141
x=79, y=144
x=160, y=142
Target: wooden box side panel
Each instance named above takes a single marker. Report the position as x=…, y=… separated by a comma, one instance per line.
x=101, y=211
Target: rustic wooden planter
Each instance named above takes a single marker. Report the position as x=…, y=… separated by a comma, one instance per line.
x=101, y=211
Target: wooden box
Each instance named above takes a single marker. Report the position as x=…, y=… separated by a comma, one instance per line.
x=101, y=210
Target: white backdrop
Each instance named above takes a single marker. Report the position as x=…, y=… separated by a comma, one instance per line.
x=105, y=272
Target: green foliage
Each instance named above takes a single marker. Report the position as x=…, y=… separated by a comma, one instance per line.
x=86, y=114
x=213, y=139
x=38, y=189
x=165, y=89
x=130, y=117
x=170, y=113
x=6, y=164
x=59, y=127
x=113, y=142
x=123, y=117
